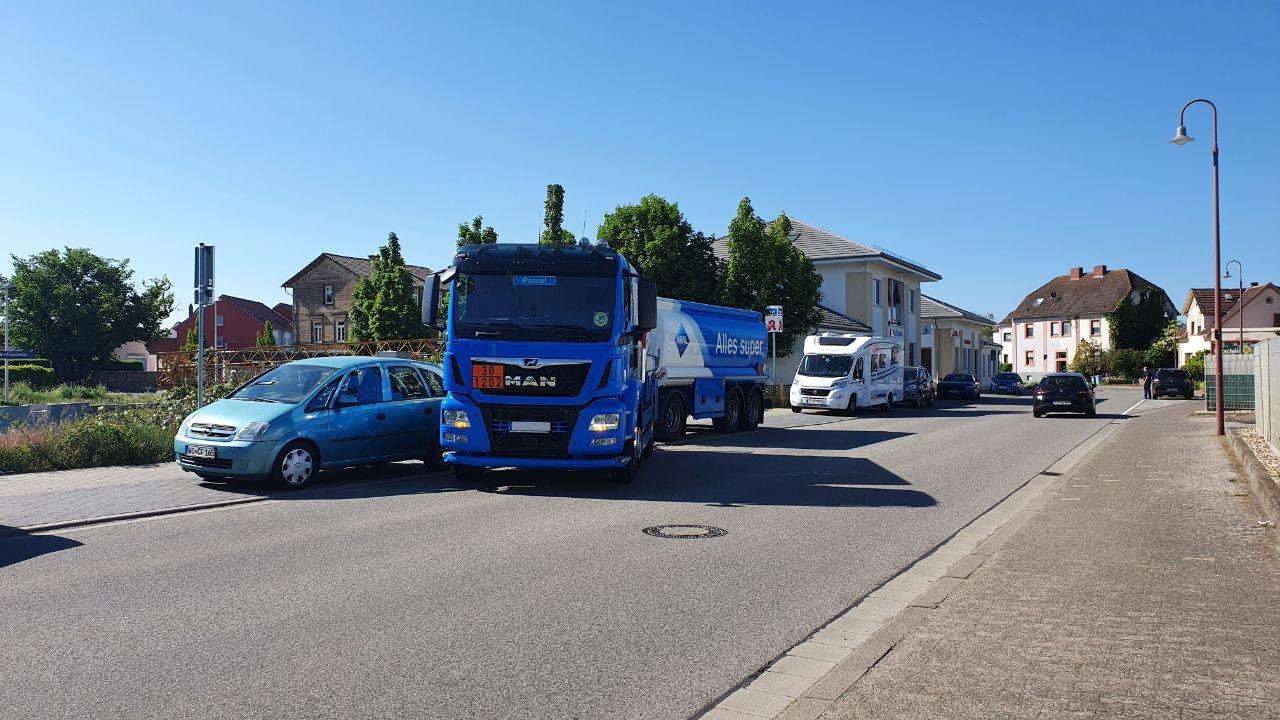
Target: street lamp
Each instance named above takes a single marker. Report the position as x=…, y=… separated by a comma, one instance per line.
x=6, y=288
x=1181, y=138
x=1239, y=298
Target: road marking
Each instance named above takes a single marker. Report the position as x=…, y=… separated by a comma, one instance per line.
x=1133, y=407
x=888, y=612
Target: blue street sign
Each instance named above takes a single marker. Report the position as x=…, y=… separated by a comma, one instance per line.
x=18, y=355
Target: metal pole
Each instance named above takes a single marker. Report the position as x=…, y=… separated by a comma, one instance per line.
x=200, y=329
x=773, y=338
x=6, y=344
x=1240, y=304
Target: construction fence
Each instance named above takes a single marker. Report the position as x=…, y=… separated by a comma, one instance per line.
x=1237, y=381
x=179, y=368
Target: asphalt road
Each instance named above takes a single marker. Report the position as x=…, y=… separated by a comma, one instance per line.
x=540, y=598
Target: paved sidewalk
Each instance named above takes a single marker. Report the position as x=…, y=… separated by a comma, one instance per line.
x=1140, y=587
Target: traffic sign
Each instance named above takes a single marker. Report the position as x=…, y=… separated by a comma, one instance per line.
x=773, y=318
x=18, y=355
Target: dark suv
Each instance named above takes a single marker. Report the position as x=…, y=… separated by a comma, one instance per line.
x=917, y=386
x=1063, y=392
x=1171, y=381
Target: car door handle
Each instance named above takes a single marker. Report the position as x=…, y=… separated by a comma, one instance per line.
x=382, y=416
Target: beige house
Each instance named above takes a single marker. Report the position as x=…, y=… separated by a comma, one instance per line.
x=1041, y=334
x=322, y=295
x=953, y=341
x=869, y=286
x=1258, y=314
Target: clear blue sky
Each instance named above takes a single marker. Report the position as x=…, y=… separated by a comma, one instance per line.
x=998, y=145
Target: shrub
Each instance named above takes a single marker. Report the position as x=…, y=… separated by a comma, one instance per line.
x=116, y=364
x=36, y=376
x=1194, y=366
x=1126, y=363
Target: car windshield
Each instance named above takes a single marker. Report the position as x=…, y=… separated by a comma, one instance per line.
x=953, y=377
x=1172, y=374
x=562, y=308
x=290, y=383
x=910, y=373
x=1007, y=377
x=1062, y=382
x=826, y=365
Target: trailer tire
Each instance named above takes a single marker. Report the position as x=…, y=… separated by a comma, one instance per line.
x=672, y=417
x=728, y=422
x=752, y=411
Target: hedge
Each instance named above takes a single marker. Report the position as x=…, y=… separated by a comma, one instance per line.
x=36, y=376
x=114, y=364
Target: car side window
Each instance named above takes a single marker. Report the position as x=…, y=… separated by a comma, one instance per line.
x=405, y=383
x=324, y=397
x=362, y=386
x=857, y=370
x=433, y=382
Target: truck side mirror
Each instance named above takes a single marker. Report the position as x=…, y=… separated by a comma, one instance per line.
x=431, y=301
x=647, y=305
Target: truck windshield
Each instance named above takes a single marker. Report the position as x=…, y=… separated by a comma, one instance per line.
x=826, y=365
x=509, y=306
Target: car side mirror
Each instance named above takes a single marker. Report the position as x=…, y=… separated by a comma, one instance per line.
x=348, y=398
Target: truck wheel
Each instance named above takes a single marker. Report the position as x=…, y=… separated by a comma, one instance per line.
x=671, y=422
x=468, y=474
x=753, y=412
x=629, y=472
x=728, y=422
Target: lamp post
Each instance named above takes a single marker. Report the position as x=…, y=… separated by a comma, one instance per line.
x=1181, y=138
x=1239, y=298
x=6, y=287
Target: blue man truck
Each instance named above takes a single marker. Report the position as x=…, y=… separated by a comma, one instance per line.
x=562, y=357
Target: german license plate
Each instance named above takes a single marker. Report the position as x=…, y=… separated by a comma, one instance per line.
x=202, y=451
x=528, y=426
x=486, y=376
x=1061, y=402
x=813, y=401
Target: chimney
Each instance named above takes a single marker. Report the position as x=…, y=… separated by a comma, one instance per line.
x=1076, y=272
x=1253, y=284
x=1099, y=270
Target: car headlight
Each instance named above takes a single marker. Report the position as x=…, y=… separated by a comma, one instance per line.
x=253, y=431
x=455, y=419
x=605, y=422
x=842, y=383
x=186, y=425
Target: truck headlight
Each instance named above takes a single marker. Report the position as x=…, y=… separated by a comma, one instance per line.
x=456, y=419
x=605, y=422
x=842, y=383
x=253, y=431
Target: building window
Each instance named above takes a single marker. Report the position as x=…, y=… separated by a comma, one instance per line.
x=218, y=320
x=340, y=331
x=1095, y=328
x=1028, y=330
x=1066, y=329
x=328, y=294
x=875, y=292
x=1053, y=329
x=1030, y=358
x=1008, y=336
x=317, y=332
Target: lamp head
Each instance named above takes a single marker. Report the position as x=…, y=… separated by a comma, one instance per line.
x=1181, y=137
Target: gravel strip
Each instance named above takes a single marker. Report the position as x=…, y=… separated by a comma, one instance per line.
x=1262, y=449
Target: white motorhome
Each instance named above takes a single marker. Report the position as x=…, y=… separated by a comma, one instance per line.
x=847, y=372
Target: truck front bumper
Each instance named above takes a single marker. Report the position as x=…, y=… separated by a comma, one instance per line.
x=524, y=463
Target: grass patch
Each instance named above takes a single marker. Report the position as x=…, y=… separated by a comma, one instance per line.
x=22, y=393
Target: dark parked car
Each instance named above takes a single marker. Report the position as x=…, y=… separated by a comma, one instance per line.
x=960, y=385
x=917, y=386
x=1064, y=392
x=1171, y=381
x=1006, y=383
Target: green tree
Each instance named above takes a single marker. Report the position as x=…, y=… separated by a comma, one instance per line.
x=553, y=232
x=266, y=338
x=1125, y=363
x=192, y=341
x=665, y=248
x=383, y=306
x=1194, y=366
x=476, y=233
x=74, y=308
x=766, y=268
x=1164, y=349
x=1088, y=359
x=1137, y=325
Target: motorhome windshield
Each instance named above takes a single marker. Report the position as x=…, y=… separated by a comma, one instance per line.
x=509, y=306
x=826, y=365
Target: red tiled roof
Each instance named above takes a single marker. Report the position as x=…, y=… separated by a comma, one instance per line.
x=1065, y=296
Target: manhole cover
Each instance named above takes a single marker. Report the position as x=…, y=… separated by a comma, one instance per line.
x=685, y=531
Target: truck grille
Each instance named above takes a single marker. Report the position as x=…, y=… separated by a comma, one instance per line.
x=815, y=392
x=564, y=380
x=554, y=444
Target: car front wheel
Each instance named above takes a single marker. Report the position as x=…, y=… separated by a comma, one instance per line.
x=295, y=466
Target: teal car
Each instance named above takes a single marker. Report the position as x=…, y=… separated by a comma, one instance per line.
x=298, y=418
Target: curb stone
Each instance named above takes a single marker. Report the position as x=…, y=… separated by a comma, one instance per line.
x=1263, y=487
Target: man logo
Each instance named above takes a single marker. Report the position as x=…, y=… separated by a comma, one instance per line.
x=531, y=362
x=529, y=381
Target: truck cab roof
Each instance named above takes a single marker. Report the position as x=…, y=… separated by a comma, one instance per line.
x=592, y=260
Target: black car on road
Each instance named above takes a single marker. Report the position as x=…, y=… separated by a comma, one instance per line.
x=917, y=386
x=1064, y=392
x=960, y=385
x=1172, y=381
